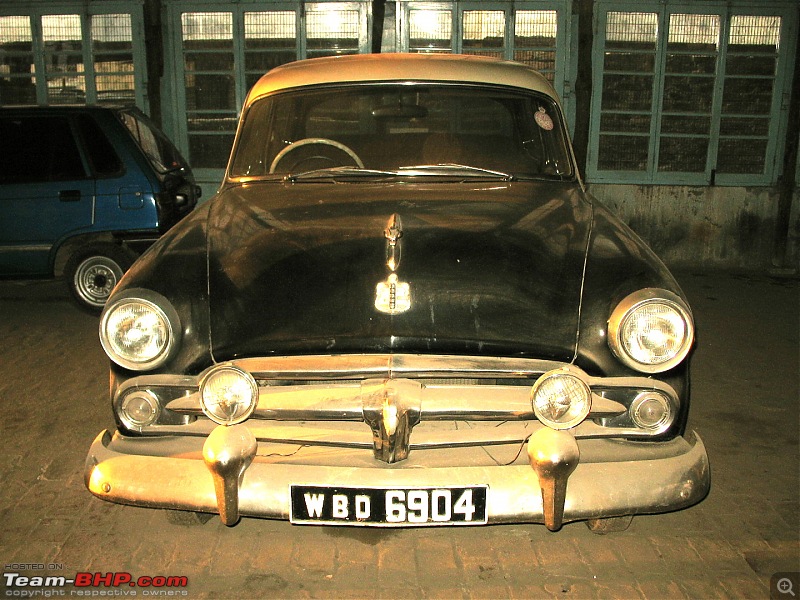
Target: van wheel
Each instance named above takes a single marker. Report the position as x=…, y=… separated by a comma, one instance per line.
x=93, y=271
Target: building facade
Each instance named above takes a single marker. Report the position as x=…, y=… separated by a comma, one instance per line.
x=683, y=114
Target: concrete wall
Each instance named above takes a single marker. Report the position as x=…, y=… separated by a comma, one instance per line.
x=726, y=227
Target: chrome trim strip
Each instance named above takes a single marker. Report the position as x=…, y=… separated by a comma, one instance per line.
x=438, y=403
x=368, y=366
x=25, y=248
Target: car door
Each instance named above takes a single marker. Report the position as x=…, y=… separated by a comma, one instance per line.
x=46, y=190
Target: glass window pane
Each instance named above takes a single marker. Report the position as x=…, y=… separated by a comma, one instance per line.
x=755, y=33
x=210, y=151
x=629, y=61
x=484, y=30
x=101, y=153
x=745, y=156
x=749, y=93
x=207, y=30
x=430, y=30
x=112, y=53
x=628, y=122
x=688, y=94
x=623, y=152
x=273, y=30
x=627, y=90
x=331, y=29
x=683, y=154
x=270, y=40
x=210, y=84
x=17, y=83
x=50, y=140
x=535, y=28
x=64, y=69
x=631, y=31
x=685, y=124
x=535, y=40
x=745, y=126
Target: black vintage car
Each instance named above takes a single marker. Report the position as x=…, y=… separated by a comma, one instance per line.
x=402, y=308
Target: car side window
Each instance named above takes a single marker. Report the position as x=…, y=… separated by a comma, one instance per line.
x=38, y=149
x=104, y=159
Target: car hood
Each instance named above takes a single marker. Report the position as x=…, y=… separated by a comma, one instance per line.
x=491, y=268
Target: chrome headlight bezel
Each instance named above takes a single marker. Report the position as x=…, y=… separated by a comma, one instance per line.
x=147, y=399
x=153, y=306
x=629, y=308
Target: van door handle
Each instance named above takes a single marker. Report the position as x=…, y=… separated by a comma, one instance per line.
x=69, y=195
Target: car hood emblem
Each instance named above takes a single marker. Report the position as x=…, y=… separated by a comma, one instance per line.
x=393, y=296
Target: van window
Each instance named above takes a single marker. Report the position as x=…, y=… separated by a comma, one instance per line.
x=102, y=155
x=38, y=149
x=161, y=153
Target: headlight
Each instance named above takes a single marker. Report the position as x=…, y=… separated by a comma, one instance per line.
x=139, y=330
x=651, y=330
x=560, y=399
x=228, y=395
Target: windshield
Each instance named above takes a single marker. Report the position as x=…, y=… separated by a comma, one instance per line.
x=390, y=128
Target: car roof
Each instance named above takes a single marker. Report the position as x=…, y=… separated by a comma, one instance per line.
x=361, y=68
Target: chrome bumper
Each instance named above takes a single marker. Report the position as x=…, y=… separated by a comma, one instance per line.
x=564, y=480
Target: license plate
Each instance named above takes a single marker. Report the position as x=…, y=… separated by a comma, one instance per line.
x=388, y=507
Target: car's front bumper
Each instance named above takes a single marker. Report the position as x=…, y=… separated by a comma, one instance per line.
x=231, y=474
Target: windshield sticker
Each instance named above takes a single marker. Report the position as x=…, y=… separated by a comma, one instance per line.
x=543, y=120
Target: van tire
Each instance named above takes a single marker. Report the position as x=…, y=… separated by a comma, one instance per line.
x=93, y=271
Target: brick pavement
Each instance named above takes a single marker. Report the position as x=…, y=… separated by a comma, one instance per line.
x=53, y=401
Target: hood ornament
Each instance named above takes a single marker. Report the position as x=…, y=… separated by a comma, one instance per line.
x=393, y=296
x=393, y=233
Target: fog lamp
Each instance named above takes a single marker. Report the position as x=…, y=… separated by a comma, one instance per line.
x=651, y=411
x=228, y=395
x=139, y=409
x=560, y=399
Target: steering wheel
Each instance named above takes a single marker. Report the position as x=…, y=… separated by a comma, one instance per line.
x=305, y=142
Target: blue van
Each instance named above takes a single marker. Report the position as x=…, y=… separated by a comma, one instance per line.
x=83, y=191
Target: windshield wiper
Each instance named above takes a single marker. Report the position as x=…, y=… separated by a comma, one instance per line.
x=334, y=172
x=450, y=169
x=442, y=170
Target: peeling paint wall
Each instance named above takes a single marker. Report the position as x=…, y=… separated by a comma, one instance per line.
x=728, y=227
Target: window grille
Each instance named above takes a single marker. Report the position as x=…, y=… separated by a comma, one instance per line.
x=690, y=98
x=112, y=38
x=17, y=68
x=430, y=30
x=331, y=29
x=226, y=47
x=49, y=58
x=270, y=40
x=210, y=85
x=535, y=34
x=750, y=85
x=63, y=53
x=484, y=33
